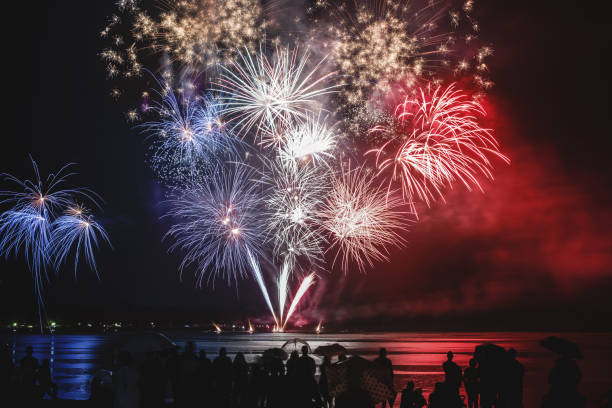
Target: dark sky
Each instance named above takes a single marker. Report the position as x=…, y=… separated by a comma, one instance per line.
x=535, y=251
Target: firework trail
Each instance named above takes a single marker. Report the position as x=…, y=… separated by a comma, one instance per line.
x=256, y=270
x=361, y=219
x=283, y=287
x=218, y=223
x=33, y=225
x=441, y=141
x=267, y=95
x=304, y=286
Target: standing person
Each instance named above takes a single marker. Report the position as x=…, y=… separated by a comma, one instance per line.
x=516, y=372
x=240, y=371
x=471, y=380
x=126, y=383
x=172, y=369
x=292, y=364
x=187, y=368
x=28, y=366
x=323, y=386
x=222, y=378
x=153, y=381
x=45, y=381
x=307, y=386
x=452, y=373
x=203, y=376
x=6, y=370
x=386, y=368
x=408, y=396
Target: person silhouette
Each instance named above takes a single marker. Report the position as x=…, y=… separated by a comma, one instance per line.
x=28, y=365
x=514, y=381
x=203, y=375
x=188, y=365
x=222, y=378
x=419, y=399
x=471, y=380
x=240, y=371
x=307, y=386
x=408, y=396
x=6, y=370
x=45, y=380
x=563, y=380
x=126, y=383
x=323, y=385
x=153, y=381
x=385, y=367
x=292, y=364
x=452, y=372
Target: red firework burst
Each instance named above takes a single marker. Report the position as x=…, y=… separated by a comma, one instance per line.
x=441, y=142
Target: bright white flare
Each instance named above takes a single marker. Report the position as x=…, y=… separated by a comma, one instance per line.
x=308, y=141
x=268, y=95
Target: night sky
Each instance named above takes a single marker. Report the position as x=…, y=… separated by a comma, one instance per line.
x=534, y=251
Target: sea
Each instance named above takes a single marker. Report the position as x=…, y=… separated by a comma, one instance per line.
x=416, y=356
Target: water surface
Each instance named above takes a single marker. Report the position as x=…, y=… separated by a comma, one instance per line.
x=416, y=356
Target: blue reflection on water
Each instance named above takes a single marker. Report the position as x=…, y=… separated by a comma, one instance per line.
x=72, y=358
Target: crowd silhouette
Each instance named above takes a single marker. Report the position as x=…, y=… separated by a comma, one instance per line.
x=492, y=379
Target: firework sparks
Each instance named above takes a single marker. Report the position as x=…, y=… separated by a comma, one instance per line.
x=199, y=33
x=79, y=232
x=441, y=141
x=32, y=224
x=218, y=223
x=361, y=219
x=294, y=197
x=377, y=42
x=188, y=136
x=308, y=141
x=268, y=95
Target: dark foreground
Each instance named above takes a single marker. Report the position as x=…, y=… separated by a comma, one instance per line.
x=179, y=377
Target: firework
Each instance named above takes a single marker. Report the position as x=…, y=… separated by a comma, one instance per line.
x=308, y=141
x=32, y=225
x=283, y=287
x=218, y=223
x=188, y=136
x=197, y=33
x=441, y=142
x=294, y=195
x=217, y=328
x=79, y=231
x=256, y=271
x=361, y=219
x=267, y=95
x=303, y=288
x=377, y=42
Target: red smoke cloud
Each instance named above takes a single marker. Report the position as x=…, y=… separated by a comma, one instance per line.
x=539, y=234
